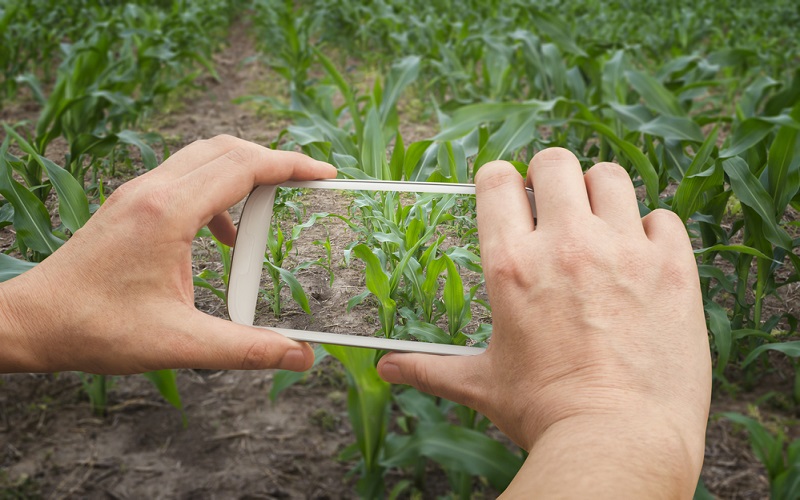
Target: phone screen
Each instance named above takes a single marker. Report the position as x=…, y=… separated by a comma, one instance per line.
x=386, y=264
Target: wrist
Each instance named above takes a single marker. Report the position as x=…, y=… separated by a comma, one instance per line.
x=639, y=454
x=16, y=354
x=29, y=339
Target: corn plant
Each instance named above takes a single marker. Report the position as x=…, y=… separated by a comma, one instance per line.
x=779, y=455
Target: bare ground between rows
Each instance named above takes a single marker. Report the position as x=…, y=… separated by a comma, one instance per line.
x=237, y=444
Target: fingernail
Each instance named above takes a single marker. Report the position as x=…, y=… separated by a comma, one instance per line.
x=390, y=372
x=294, y=360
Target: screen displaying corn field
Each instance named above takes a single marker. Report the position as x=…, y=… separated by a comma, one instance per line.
x=699, y=102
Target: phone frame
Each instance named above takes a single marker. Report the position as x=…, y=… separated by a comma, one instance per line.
x=247, y=261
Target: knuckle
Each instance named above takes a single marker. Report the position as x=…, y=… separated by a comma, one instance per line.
x=123, y=192
x=495, y=174
x=155, y=203
x=258, y=355
x=608, y=170
x=502, y=264
x=676, y=274
x=246, y=154
x=223, y=140
x=422, y=378
x=552, y=155
x=664, y=216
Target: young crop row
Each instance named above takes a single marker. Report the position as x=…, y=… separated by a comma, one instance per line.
x=706, y=121
x=115, y=63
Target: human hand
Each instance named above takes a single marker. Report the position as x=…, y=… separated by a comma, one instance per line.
x=118, y=296
x=599, y=332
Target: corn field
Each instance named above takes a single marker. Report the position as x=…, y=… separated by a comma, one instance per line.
x=698, y=101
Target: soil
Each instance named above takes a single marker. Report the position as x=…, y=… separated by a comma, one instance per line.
x=237, y=443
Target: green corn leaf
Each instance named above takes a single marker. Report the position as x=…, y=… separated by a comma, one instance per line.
x=283, y=379
x=766, y=447
x=791, y=349
x=754, y=93
x=696, y=181
x=654, y=94
x=344, y=88
x=92, y=144
x=453, y=297
x=202, y=282
x=403, y=73
x=298, y=294
x=354, y=301
x=134, y=139
x=558, y=31
x=427, y=164
x=31, y=219
x=425, y=332
x=6, y=215
x=708, y=271
x=613, y=84
x=751, y=193
x=673, y=128
x=783, y=164
x=397, y=159
x=517, y=131
x=11, y=267
x=373, y=152
x=378, y=283
x=640, y=162
x=414, y=154
x=732, y=248
x=73, y=206
x=632, y=116
x=420, y=405
x=467, y=118
x=749, y=133
x=701, y=492
x=720, y=327
x=368, y=398
x=167, y=384
x=463, y=450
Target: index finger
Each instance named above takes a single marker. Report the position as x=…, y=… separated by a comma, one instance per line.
x=226, y=180
x=504, y=213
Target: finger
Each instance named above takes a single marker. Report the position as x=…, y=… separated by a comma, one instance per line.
x=194, y=156
x=227, y=179
x=556, y=177
x=457, y=378
x=504, y=213
x=202, y=341
x=666, y=228
x=222, y=227
x=612, y=197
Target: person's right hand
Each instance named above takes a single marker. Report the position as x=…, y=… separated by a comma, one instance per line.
x=599, y=332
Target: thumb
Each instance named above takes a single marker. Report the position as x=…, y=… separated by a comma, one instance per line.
x=451, y=377
x=218, y=344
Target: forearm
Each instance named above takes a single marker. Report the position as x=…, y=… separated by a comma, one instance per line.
x=610, y=459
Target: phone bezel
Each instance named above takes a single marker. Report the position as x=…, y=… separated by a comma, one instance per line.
x=247, y=261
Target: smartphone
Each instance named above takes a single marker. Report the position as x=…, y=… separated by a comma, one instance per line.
x=431, y=226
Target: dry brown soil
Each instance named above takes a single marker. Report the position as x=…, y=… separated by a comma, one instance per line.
x=238, y=444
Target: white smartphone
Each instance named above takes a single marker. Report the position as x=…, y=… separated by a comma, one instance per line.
x=248, y=261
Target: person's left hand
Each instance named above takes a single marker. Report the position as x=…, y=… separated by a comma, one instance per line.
x=118, y=296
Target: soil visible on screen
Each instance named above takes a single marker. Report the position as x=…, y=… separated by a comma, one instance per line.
x=236, y=443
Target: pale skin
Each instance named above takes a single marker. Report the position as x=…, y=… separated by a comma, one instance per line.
x=599, y=364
